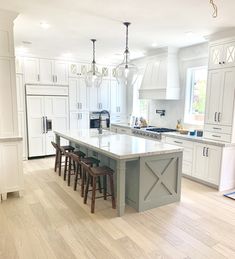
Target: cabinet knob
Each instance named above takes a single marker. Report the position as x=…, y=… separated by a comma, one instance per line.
x=223, y=62
x=220, y=63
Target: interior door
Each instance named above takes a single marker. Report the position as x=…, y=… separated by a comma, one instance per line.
x=213, y=96
x=57, y=118
x=227, y=97
x=36, y=125
x=46, y=71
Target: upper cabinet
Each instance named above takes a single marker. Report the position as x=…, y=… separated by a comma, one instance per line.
x=222, y=55
x=45, y=71
x=220, y=96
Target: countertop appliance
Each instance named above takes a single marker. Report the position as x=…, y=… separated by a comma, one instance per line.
x=151, y=132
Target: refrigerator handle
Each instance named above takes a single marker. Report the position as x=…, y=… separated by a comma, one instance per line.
x=46, y=128
x=43, y=125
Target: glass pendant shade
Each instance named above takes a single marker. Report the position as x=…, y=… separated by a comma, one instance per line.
x=126, y=72
x=93, y=77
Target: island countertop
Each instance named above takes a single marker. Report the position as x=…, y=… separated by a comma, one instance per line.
x=118, y=146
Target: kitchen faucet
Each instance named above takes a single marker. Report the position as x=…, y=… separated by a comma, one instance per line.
x=100, y=120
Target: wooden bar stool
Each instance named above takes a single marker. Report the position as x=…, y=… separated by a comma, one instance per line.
x=93, y=173
x=59, y=154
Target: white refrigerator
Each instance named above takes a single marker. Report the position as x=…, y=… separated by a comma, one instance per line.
x=47, y=110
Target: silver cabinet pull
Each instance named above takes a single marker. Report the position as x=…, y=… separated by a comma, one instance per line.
x=219, y=116
x=204, y=149
x=178, y=142
x=217, y=128
x=80, y=105
x=43, y=125
x=216, y=136
x=38, y=77
x=215, y=116
x=207, y=152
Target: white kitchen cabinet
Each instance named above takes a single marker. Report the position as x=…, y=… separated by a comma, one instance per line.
x=104, y=95
x=79, y=120
x=118, y=98
x=77, y=94
x=46, y=68
x=207, y=163
x=93, y=98
x=45, y=71
x=222, y=55
x=78, y=69
x=19, y=65
x=61, y=72
x=31, y=71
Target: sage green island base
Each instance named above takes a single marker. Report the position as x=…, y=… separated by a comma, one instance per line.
x=148, y=173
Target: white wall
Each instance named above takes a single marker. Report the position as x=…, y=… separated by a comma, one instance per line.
x=196, y=55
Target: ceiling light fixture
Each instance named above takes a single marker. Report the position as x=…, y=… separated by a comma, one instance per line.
x=93, y=77
x=215, y=9
x=45, y=25
x=126, y=72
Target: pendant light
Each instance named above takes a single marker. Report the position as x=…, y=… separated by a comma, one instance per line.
x=93, y=77
x=215, y=9
x=126, y=72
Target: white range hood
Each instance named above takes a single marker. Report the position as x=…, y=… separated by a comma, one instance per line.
x=161, y=77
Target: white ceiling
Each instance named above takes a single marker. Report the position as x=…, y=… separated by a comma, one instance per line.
x=74, y=22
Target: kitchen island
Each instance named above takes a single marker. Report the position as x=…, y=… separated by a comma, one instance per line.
x=148, y=173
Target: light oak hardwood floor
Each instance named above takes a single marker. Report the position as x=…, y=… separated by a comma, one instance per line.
x=51, y=221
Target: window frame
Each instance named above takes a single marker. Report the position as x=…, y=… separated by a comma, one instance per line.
x=189, y=95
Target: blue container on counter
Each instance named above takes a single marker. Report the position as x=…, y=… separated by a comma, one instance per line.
x=192, y=133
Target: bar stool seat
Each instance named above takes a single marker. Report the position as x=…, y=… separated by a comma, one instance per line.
x=68, y=148
x=79, y=153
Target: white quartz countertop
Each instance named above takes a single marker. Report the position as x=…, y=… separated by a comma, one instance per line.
x=118, y=146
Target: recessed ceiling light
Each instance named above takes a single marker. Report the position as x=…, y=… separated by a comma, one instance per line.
x=45, y=25
x=154, y=44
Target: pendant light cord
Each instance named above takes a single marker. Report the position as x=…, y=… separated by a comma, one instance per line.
x=127, y=48
x=93, y=41
x=215, y=9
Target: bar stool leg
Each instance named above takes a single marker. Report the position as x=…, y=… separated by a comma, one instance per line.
x=76, y=178
x=65, y=167
x=69, y=172
x=56, y=160
x=99, y=184
x=60, y=160
x=112, y=191
x=93, y=195
x=105, y=186
x=87, y=188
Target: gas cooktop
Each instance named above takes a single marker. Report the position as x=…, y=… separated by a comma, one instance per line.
x=160, y=130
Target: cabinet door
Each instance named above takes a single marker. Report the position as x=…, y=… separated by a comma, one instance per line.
x=93, y=98
x=82, y=94
x=74, y=117
x=74, y=70
x=61, y=73
x=199, y=161
x=31, y=71
x=216, y=55
x=121, y=101
x=23, y=132
x=19, y=64
x=229, y=54
x=213, y=96
x=46, y=71
x=73, y=88
x=83, y=122
x=113, y=96
x=226, y=110
x=36, y=125
x=213, y=154
x=103, y=95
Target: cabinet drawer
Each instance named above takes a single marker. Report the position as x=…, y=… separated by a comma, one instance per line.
x=179, y=142
x=217, y=136
x=188, y=155
x=218, y=129
x=187, y=168
x=123, y=130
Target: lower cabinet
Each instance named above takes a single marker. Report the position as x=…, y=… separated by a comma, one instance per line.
x=79, y=120
x=121, y=130
x=207, y=163
x=11, y=168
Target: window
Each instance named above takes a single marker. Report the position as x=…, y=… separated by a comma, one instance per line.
x=195, y=98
